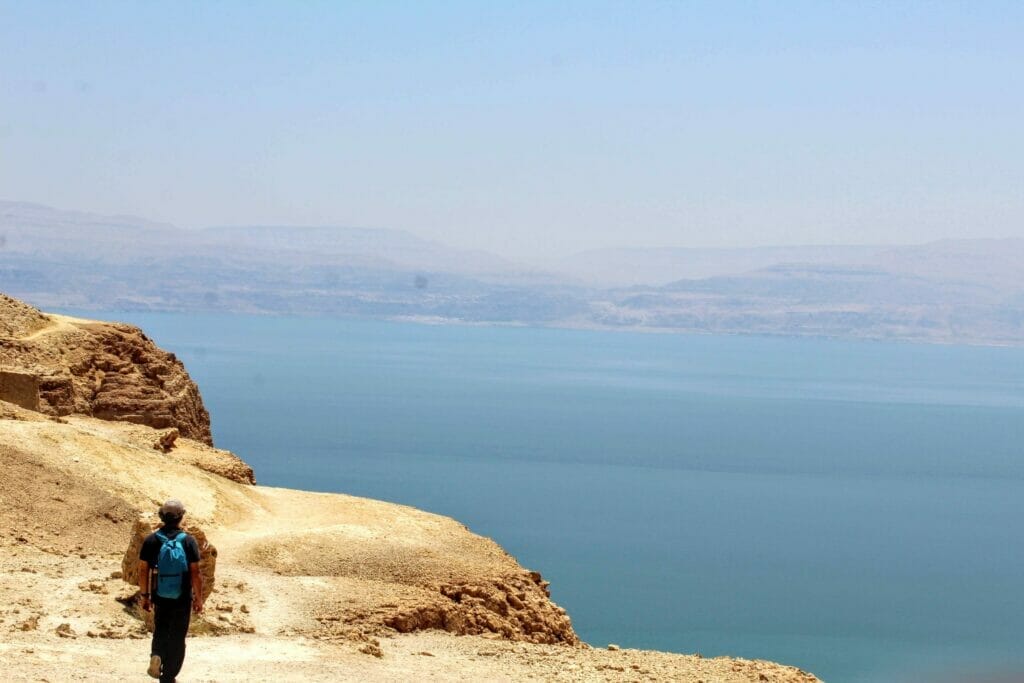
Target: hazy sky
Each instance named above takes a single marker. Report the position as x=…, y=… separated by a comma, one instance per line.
x=525, y=128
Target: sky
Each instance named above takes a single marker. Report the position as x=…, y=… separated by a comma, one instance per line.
x=530, y=129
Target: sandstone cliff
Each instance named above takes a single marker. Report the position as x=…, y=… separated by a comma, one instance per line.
x=106, y=370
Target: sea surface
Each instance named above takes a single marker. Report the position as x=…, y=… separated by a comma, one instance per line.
x=852, y=508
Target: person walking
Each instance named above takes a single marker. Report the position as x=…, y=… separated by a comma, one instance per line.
x=172, y=587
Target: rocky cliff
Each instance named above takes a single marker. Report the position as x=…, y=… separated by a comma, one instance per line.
x=106, y=370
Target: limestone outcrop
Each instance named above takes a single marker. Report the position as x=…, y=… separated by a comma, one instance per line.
x=143, y=527
x=165, y=442
x=516, y=608
x=131, y=570
x=110, y=371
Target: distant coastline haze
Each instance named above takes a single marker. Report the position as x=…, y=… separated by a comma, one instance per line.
x=947, y=291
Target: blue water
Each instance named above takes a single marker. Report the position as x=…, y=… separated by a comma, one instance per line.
x=852, y=508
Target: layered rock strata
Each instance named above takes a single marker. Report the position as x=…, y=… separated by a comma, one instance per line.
x=110, y=371
x=517, y=608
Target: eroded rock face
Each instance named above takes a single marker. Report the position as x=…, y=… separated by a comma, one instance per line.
x=127, y=377
x=130, y=564
x=106, y=370
x=517, y=608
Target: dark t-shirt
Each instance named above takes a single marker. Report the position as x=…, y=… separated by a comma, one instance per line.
x=150, y=554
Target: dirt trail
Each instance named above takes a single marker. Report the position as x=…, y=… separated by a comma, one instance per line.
x=59, y=323
x=416, y=657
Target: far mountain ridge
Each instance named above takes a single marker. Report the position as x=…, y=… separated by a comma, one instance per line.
x=653, y=266
x=32, y=228
x=948, y=291
x=399, y=246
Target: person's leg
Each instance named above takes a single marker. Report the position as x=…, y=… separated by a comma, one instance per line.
x=179, y=615
x=160, y=624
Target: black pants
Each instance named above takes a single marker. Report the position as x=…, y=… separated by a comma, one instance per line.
x=171, y=619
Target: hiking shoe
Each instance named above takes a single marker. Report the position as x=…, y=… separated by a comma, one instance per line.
x=154, y=666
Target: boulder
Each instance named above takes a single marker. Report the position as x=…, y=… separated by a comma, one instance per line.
x=143, y=527
x=165, y=442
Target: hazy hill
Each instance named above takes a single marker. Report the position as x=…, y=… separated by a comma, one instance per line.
x=72, y=259
x=949, y=291
x=964, y=291
x=822, y=300
x=383, y=248
x=627, y=267
x=39, y=231
x=996, y=262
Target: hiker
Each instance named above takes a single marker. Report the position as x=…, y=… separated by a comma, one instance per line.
x=172, y=586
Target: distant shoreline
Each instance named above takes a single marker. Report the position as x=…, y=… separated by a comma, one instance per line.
x=583, y=326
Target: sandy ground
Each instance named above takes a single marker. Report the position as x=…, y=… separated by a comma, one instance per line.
x=428, y=656
x=58, y=323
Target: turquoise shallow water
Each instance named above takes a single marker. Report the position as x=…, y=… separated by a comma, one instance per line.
x=852, y=508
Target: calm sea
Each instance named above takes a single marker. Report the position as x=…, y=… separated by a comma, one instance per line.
x=852, y=508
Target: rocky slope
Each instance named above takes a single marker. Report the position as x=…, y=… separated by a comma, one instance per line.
x=309, y=586
x=105, y=370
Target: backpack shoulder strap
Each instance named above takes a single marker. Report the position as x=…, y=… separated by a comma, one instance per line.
x=159, y=534
x=181, y=536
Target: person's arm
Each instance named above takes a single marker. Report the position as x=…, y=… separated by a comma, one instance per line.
x=144, y=584
x=197, y=587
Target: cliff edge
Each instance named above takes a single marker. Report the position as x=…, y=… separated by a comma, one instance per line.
x=309, y=586
x=63, y=366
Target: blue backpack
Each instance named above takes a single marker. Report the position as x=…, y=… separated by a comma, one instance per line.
x=171, y=566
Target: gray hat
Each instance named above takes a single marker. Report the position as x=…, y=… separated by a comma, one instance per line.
x=172, y=508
